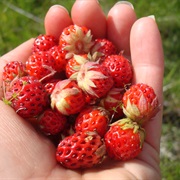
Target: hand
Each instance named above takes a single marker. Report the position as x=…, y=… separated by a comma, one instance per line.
x=25, y=153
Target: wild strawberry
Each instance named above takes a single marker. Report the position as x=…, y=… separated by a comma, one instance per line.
x=94, y=79
x=51, y=122
x=44, y=42
x=59, y=56
x=27, y=97
x=120, y=69
x=67, y=97
x=50, y=85
x=41, y=65
x=93, y=118
x=12, y=71
x=81, y=150
x=74, y=64
x=102, y=48
x=75, y=40
x=113, y=103
x=66, y=131
x=124, y=140
x=140, y=103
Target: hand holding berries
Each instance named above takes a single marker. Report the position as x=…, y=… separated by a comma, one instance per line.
x=82, y=86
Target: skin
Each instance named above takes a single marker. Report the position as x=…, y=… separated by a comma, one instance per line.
x=26, y=154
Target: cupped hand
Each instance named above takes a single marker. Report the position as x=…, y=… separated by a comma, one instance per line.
x=25, y=153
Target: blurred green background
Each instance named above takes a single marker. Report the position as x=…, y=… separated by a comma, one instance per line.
x=21, y=20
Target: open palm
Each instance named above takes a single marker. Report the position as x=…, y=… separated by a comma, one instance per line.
x=25, y=153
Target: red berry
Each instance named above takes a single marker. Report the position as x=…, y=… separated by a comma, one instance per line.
x=50, y=85
x=93, y=118
x=94, y=79
x=75, y=40
x=27, y=97
x=67, y=97
x=140, y=103
x=51, y=122
x=59, y=56
x=102, y=48
x=81, y=150
x=74, y=64
x=113, y=103
x=120, y=69
x=41, y=65
x=12, y=71
x=44, y=42
x=124, y=140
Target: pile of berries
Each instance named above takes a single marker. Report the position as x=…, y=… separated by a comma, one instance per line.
x=78, y=92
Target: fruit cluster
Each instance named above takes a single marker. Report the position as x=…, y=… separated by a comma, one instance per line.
x=77, y=90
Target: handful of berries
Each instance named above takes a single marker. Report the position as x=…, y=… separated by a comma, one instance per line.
x=78, y=92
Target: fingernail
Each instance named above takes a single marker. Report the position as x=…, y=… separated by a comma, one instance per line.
x=125, y=2
x=94, y=0
x=152, y=17
x=59, y=6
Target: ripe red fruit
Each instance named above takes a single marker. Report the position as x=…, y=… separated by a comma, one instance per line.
x=67, y=97
x=51, y=122
x=124, y=140
x=102, y=48
x=81, y=150
x=41, y=65
x=59, y=56
x=44, y=42
x=140, y=103
x=113, y=103
x=12, y=71
x=120, y=69
x=50, y=85
x=75, y=40
x=94, y=79
x=74, y=64
x=27, y=97
x=93, y=118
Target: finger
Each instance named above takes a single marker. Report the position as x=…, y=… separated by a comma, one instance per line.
x=20, y=53
x=148, y=62
x=147, y=53
x=56, y=19
x=120, y=19
x=89, y=14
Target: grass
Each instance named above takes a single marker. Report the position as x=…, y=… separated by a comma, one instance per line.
x=21, y=20
x=170, y=166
